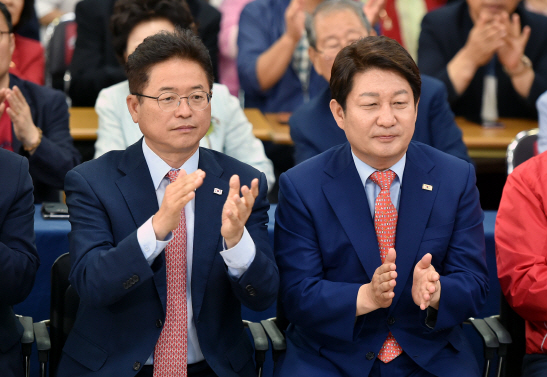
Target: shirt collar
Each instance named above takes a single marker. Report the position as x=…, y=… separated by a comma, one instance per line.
x=365, y=170
x=159, y=168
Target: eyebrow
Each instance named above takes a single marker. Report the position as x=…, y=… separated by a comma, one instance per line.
x=372, y=94
x=170, y=88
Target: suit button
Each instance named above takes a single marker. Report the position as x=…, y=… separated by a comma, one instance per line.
x=390, y=320
x=125, y=285
x=251, y=290
x=137, y=365
x=135, y=279
x=370, y=355
x=159, y=323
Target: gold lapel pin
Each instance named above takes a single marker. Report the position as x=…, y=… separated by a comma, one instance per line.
x=427, y=187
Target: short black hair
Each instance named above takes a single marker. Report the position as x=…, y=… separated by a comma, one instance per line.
x=129, y=13
x=160, y=47
x=7, y=16
x=369, y=53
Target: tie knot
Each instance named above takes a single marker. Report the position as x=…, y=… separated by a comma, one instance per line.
x=173, y=174
x=383, y=178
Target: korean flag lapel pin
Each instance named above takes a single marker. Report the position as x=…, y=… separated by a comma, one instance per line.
x=217, y=191
x=427, y=187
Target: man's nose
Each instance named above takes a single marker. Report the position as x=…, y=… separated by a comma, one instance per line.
x=386, y=117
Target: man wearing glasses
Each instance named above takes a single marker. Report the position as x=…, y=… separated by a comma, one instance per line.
x=334, y=25
x=165, y=244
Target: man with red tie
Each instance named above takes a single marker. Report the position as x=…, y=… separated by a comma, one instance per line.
x=379, y=241
x=165, y=244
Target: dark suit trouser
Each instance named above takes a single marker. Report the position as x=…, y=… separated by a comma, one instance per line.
x=200, y=369
x=11, y=362
x=534, y=365
x=403, y=362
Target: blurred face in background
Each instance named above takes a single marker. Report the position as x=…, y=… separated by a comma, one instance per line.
x=146, y=29
x=334, y=31
x=15, y=8
x=491, y=7
x=7, y=45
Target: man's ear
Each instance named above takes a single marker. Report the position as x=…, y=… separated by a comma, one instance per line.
x=134, y=107
x=416, y=117
x=338, y=113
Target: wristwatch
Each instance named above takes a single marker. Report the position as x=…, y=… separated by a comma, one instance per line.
x=526, y=64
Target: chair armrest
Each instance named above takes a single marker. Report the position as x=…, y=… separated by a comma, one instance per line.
x=43, y=342
x=488, y=337
x=259, y=336
x=501, y=332
x=277, y=338
x=28, y=332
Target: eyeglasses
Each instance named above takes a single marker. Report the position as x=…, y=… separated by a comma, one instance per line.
x=169, y=101
x=2, y=34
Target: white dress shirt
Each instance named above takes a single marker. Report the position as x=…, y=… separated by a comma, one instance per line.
x=372, y=189
x=238, y=258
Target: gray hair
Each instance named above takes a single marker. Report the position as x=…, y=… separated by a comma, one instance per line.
x=329, y=6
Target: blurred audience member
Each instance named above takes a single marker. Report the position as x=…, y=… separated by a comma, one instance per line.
x=94, y=65
x=273, y=63
x=334, y=25
x=541, y=106
x=18, y=257
x=491, y=65
x=49, y=10
x=34, y=123
x=401, y=21
x=227, y=43
x=537, y=6
x=27, y=60
x=521, y=254
x=230, y=132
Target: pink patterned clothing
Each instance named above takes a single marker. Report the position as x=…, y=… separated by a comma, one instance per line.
x=227, y=43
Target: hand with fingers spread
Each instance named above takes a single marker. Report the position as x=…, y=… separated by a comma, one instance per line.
x=177, y=195
x=379, y=292
x=237, y=210
x=295, y=18
x=426, y=286
x=19, y=112
x=485, y=38
x=511, y=52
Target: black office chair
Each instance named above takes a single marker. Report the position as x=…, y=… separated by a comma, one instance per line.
x=521, y=148
x=64, y=307
x=60, y=40
x=26, y=341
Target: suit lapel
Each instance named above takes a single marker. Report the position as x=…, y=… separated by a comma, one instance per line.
x=207, y=224
x=415, y=206
x=136, y=186
x=347, y=197
x=138, y=190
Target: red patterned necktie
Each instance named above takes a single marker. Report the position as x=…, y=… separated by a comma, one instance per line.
x=385, y=223
x=170, y=354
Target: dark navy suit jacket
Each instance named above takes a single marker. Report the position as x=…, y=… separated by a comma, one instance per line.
x=122, y=297
x=18, y=257
x=56, y=154
x=445, y=32
x=326, y=248
x=314, y=130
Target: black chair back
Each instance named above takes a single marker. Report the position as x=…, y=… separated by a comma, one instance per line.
x=59, y=309
x=521, y=148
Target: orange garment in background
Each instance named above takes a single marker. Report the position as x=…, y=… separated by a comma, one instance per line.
x=29, y=60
